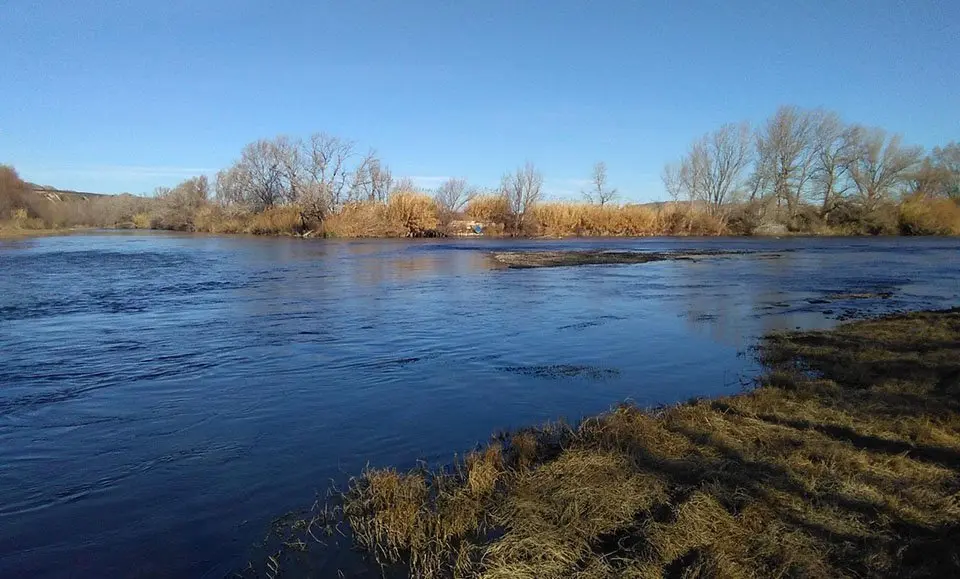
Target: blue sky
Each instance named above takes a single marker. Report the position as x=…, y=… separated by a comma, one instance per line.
x=128, y=95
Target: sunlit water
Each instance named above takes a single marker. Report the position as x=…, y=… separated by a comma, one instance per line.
x=163, y=397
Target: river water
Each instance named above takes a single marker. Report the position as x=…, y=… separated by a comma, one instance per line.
x=163, y=397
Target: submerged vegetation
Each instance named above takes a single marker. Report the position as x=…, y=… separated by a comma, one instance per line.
x=799, y=172
x=843, y=462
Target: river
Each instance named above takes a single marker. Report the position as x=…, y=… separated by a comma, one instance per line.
x=163, y=397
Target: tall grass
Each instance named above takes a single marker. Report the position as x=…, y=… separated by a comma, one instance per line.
x=581, y=219
x=929, y=216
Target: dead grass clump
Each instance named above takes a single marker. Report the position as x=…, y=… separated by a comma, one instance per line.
x=280, y=220
x=555, y=515
x=844, y=463
x=413, y=213
x=361, y=219
x=216, y=219
x=489, y=209
x=583, y=219
x=929, y=216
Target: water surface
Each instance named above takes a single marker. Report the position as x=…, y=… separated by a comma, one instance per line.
x=163, y=397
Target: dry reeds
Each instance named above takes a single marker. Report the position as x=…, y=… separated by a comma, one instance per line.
x=585, y=220
x=280, y=220
x=929, y=216
x=414, y=213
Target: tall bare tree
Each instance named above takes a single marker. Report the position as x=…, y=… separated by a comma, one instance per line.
x=787, y=155
x=939, y=173
x=599, y=193
x=372, y=179
x=670, y=175
x=835, y=144
x=712, y=171
x=12, y=191
x=880, y=165
x=328, y=174
x=522, y=189
x=451, y=197
x=404, y=184
x=265, y=177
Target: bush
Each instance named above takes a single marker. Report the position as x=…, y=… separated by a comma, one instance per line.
x=926, y=216
x=807, y=220
x=744, y=219
x=282, y=220
x=414, y=214
x=851, y=218
x=493, y=209
x=361, y=219
x=12, y=192
x=216, y=219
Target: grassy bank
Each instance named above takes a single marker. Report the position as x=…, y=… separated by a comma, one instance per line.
x=845, y=462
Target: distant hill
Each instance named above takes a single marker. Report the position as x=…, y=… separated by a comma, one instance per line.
x=54, y=194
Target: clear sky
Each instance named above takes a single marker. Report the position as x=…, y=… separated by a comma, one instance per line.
x=115, y=96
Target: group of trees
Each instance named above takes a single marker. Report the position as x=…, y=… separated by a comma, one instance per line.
x=797, y=166
x=800, y=158
x=322, y=175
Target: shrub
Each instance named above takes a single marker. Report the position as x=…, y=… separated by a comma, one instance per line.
x=361, y=219
x=280, y=220
x=489, y=209
x=217, y=219
x=851, y=218
x=12, y=191
x=414, y=214
x=926, y=216
x=744, y=219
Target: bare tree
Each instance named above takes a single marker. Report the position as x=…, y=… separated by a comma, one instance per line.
x=599, y=193
x=834, y=145
x=176, y=207
x=880, y=164
x=451, y=197
x=12, y=191
x=787, y=155
x=326, y=160
x=522, y=189
x=939, y=173
x=372, y=180
x=671, y=181
x=404, y=184
x=288, y=154
x=232, y=185
x=712, y=172
x=265, y=177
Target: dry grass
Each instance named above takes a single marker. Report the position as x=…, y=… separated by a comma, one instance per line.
x=280, y=220
x=585, y=220
x=413, y=213
x=361, y=219
x=489, y=209
x=929, y=216
x=843, y=463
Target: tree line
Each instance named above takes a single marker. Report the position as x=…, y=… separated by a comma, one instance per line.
x=801, y=170
x=808, y=164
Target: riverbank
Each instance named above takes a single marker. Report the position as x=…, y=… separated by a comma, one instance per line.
x=844, y=462
x=18, y=233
